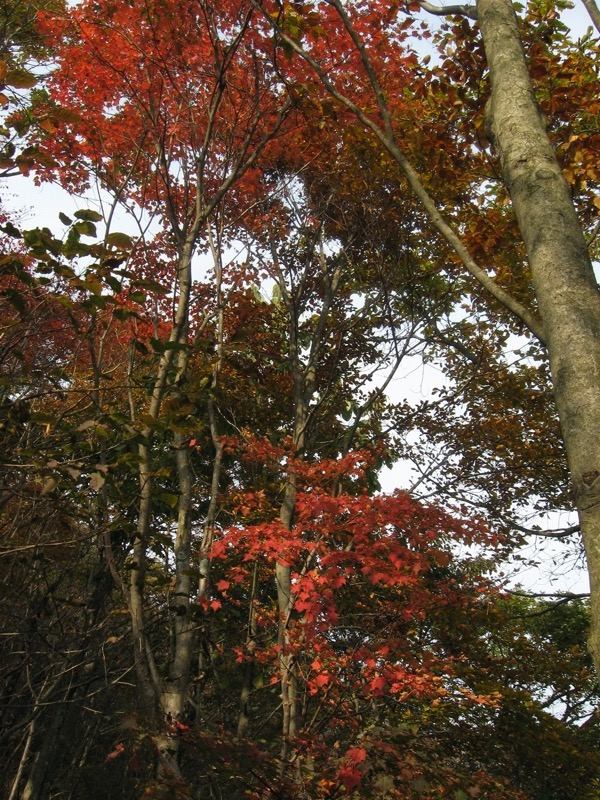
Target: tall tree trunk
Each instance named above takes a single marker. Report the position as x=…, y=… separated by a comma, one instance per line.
x=283, y=571
x=304, y=380
x=285, y=601
x=563, y=277
x=162, y=698
x=594, y=12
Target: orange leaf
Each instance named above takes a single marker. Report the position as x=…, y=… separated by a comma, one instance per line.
x=120, y=748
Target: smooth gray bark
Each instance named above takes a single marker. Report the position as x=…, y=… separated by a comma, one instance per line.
x=593, y=11
x=562, y=273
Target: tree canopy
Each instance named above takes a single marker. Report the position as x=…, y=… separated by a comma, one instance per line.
x=285, y=210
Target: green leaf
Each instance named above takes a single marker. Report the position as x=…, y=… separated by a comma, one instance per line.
x=288, y=50
x=150, y=421
x=120, y=240
x=64, y=219
x=88, y=215
x=93, y=302
x=42, y=157
x=157, y=345
x=66, y=115
x=123, y=314
x=86, y=228
x=114, y=283
x=150, y=285
x=15, y=298
x=347, y=411
x=384, y=784
x=11, y=230
x=169, y=498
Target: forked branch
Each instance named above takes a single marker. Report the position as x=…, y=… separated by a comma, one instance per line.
x=386, y=138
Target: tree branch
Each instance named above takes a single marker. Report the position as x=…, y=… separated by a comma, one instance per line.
x=558, y=533
x=387, y=140
x=451, y=11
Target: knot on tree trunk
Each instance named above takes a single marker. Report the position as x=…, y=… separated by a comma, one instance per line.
x=589, y=478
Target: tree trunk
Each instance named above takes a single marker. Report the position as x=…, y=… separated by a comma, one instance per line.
x=51, y=750
x=593, y=11
x=562, y=273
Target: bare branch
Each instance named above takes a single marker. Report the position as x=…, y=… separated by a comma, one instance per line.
x=557, y=533
x=451, y=11
x=558, y=595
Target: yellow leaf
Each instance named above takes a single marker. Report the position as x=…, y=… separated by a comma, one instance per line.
x=48, y=125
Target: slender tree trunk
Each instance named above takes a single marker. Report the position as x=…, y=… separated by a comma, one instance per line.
x=50, y=752
x=304, y=379
x=248, y=679
x=23, y=761
x=163, y=697
x=563, y=277
x=303, y=392
x=285, y=601
x=214, y=240
x=175, y=686
x=63, y=719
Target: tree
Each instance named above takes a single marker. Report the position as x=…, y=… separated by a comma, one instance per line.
x=561, y=268
x=247, y=614
x=175, y=146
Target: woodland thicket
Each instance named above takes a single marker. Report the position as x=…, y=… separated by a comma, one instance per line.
x=286, y=211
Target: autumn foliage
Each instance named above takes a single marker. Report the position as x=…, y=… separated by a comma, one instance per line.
x=205, y=371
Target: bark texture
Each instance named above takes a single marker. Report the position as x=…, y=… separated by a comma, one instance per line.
x=562, y=273
x=594, y=12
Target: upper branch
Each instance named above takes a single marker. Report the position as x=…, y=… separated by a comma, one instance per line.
x=386, y=138
x=449, y=11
